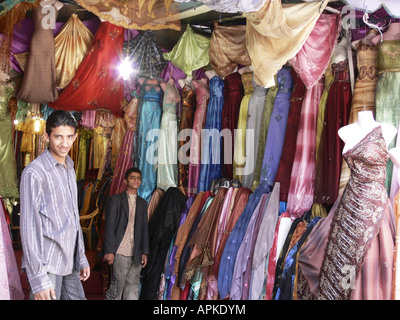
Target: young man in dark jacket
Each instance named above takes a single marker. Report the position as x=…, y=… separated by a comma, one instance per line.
x=126, y=240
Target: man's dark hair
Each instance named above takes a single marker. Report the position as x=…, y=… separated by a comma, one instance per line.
x=60, y=118
x=130, y=170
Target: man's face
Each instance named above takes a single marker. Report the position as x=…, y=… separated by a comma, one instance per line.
x=60, y=141
x=134, y=180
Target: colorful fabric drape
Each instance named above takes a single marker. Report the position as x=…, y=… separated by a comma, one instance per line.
x=97, y=83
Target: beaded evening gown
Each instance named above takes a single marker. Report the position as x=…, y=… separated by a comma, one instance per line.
x=354, y=244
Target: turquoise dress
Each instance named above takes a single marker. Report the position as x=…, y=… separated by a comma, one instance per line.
x=146, y=139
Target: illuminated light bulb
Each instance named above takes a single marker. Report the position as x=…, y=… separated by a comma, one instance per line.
x=125, y=68
x=16, y=121
x=37, y=125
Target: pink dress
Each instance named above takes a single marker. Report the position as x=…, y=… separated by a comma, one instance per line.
x=202, y=97
x=310, y=63
x=349, y=254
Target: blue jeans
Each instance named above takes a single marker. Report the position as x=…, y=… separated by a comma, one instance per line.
x=67, y=287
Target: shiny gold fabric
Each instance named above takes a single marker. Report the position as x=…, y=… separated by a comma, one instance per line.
x=117, y=136
x=276, y=33
x=228, y=49
x=191, y=52
x=136, y=14
x=71, y=44
x=85, y=135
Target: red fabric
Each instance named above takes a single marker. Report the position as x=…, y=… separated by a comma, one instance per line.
x=97, y=83
x=289, y=145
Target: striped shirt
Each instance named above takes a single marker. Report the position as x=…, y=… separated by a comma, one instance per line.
x=49, y=221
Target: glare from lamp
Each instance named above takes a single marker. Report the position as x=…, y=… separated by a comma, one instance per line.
x=37, y=125
x=125, y=68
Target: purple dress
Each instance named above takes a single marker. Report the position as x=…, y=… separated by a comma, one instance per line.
x=277, y=127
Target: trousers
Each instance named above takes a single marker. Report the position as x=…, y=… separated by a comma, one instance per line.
x=125, y=279
x=67, y=287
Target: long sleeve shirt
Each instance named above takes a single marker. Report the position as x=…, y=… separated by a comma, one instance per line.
x=51, y=236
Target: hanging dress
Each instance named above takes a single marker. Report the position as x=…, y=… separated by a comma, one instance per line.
x=277, y=127
x=233, y=94
x=39, y=80
x=149, y=118
x=167, y=168
x=338, y=263
x=337, y=112
x=239, y=151
x=210, y=167
x=186, y=123
x=199, y=121
x=97, y=83
x=387, y=98
x=363, y=95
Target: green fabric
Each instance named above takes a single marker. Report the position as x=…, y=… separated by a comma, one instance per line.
x=190, y=53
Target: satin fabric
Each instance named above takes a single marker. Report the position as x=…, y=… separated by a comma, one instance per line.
x=10, y=282
x=8, y=177
x=71, y=45
x=210, y=167
x=310, y=63
x=239, y=151
x=336, y=115
x=39, y=80
x=238, y=205
x=167, y=168
x=289, y=145
x=262, y=135
x=253, y=126
x=124, y=160
x=233, y=94
x=275, y=34
x=228, y=49
x=191, y=52
x=97, y=83
x=277, y=127
x=387, y=100
x=396, y=262
x=199, y=121
x=228, y=258
x=156, y=197
x=186, y=122
x=363, y=95
x=373, y=268
x=232, y=5
x=149, y=118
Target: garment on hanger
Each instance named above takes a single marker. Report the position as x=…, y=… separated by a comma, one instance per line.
x=334, y=246
x=191, y=52
x=167, y=167
x=210, y=167
x=387, y=99
x=149, y=117
x=364, y=93
x=199, y=121
x=228, y=49
x=277, y=127
x=239, y=151
x=310, y=63
x=39, y=80
x=233, y=94
x=71, y=45
x=336, y=115
x=97, y=83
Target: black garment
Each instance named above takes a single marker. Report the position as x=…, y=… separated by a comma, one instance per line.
x=117, y=214
x=163, y=225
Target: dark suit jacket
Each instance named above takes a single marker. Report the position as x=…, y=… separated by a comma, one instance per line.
x=117, y=214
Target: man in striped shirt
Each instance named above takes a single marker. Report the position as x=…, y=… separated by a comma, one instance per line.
x=52, y=241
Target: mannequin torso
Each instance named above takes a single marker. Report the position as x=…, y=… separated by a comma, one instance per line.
x=355, y=132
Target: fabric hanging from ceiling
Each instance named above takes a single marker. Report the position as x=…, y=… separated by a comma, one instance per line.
x=228, y=49
x=232, y=5
x=191, y=52
x=276, y=33
x=391, y=6
x=136, y=14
